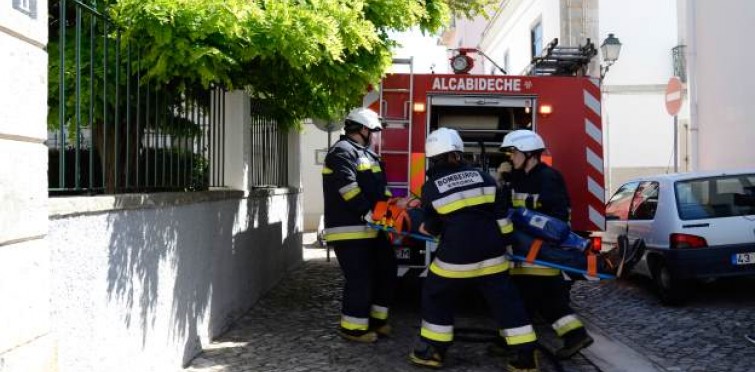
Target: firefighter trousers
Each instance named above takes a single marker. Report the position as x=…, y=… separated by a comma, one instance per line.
x=548, y=297
x=369, y=269
x=439, y=296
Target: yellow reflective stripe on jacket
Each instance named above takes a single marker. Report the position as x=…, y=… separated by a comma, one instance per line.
x=519, y=200
x=364, y=164
x=524, y=268
x=354, y=324
x=388, y=193
x=473, y=270
x=376, y=168
x=566, y=324
x=466, y=198
x=435, y=332
x=326, y=170
x=519, y=335
x=379, y=312
x=349, y=191
x=349, y=233
x=506, y=226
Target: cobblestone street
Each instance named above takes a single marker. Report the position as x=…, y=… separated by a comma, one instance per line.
x=292, y=329
x=706, y=334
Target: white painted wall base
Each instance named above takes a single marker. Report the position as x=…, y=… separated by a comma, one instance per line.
x=143, y=285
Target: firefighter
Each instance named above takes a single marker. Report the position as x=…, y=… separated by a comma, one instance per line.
x=536, y=186
x=460, y=202
x=353, y=181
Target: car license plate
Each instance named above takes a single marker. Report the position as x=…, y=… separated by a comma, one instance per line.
x=743, y=258
x=406, y=253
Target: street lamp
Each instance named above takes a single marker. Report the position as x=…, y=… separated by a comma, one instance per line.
x=610, y=50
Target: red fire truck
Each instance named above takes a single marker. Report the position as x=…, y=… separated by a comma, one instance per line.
x=564, y=110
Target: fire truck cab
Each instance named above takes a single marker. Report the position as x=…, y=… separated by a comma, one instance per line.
x=564, y=110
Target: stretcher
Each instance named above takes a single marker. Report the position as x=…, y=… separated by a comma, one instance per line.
x=555, y=247
x=513, y=257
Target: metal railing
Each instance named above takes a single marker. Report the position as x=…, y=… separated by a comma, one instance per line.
x=269, y=160
x=112, y=130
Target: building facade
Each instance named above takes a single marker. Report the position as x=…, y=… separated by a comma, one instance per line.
x=633, y=101
x=716, y=121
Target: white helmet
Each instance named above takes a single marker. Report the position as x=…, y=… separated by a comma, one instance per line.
x=523, y=140
x=366, y=117
x=442, y=141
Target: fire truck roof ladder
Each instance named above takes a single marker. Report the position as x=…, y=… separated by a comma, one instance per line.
x=556, y=60
x=399, y=123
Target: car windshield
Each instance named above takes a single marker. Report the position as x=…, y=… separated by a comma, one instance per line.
x=712, y=197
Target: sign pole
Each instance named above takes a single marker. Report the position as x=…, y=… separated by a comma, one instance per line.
x=673, y=98
x=676, y=143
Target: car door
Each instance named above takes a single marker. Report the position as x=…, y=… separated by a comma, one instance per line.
x=617, y=214
x=642, y=213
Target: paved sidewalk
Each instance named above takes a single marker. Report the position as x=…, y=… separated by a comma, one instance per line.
x=292, y=329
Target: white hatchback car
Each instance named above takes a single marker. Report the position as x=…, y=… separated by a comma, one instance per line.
x=692, y=226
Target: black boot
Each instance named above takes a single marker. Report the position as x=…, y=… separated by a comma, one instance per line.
x=574, y=341
x=620, y=260
x=525, y=361
x=366, y=337
x=427, y=355
x=499, y=347
x=381, y=327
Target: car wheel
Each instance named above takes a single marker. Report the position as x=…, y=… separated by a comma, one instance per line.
x=671, y=290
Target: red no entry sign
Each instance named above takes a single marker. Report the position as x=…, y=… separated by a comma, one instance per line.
x=673, y=96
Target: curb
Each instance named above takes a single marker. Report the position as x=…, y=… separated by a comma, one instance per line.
x=611, y=355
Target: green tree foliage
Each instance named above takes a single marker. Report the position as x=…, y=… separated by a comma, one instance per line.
x=305, y=58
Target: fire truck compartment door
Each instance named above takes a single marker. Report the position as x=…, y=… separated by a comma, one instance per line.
x=484, y=101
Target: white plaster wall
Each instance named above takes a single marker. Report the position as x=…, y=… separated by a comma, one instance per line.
x=634, y=111
x=720, y=85
x=510, y=31
x=639, y=129
x=141, y=289
x=312, y=139
x=428, y=54
x=639, y=136
x=26, y=341
x=646, y=36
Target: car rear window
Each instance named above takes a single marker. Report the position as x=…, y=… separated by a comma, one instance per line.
x=712, y=197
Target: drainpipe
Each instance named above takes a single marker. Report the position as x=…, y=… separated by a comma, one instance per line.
x=694, y=127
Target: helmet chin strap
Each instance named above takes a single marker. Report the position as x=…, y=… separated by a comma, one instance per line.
x=366, y=138
x=527, y=156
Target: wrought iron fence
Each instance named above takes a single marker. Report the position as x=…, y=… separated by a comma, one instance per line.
x=269, y=160
x=112, y=130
